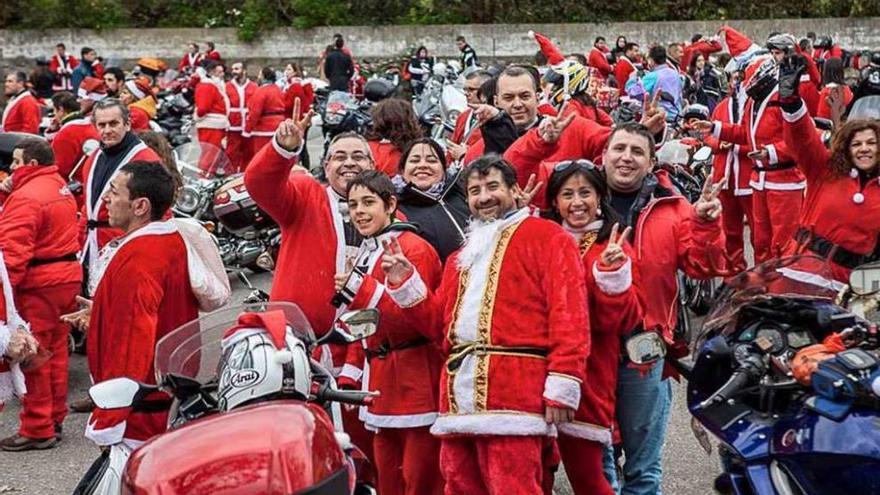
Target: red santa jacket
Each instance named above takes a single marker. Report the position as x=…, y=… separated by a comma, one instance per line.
x=703, y=47
x=615, y=311
x=239, y=95
x=62, y=67
x=68, y=144
x=463, y=125
x=38, y=232
x=22, y=114
x=599, y=61
x=832, y=209
x=140, y=119
x=313, y=247
x=408, y=374
x=509, y=356
x=622, y=70
x=139, y=299
x=386, y=156
x=531, y=155
x=734, y=163
x=265, y=111
x=824, y=109
x=189, y=62
x=588, y=112
x=297, y=88
x=213, y=55
x=761, y=127
x=212, y=105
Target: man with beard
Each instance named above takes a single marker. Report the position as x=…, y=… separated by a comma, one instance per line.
x=239, y=90
x=22, y=112
x=514, y=364
x=114, y=78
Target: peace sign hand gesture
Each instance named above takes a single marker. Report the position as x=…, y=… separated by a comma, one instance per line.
x=708, y=207
x=290, y=133
x=654, y=116
x=613, y=256
x=551, y=128
x=525, y=196
x=395, y=265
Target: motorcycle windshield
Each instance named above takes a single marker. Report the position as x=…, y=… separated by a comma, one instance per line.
x=802, y=276
x=338, y=104
x=866, y=107
x=197, y=160
x=674, y=152
x=194, y=350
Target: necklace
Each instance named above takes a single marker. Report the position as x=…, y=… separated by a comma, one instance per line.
x=587, y=241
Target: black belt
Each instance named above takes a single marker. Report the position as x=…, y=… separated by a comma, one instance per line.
x=461, y=351
x=386, y=348
x=775, y=167
x=94, y=224
x=59, y=259
x=827, y=249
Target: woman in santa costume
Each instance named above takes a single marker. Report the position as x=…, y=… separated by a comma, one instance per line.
x=577, y=196
x=841, y=214
x=398, y=360
x=394, y=125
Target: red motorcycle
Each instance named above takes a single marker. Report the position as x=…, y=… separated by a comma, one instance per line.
x=251, y=412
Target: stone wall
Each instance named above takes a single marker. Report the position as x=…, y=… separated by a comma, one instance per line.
x=495, y=41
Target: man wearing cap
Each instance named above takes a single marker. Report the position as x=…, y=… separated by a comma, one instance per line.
x=212, y=106
x=62, y=66
x=22, y=112
x=138, y=95
x=239, y=90
x=75, y=137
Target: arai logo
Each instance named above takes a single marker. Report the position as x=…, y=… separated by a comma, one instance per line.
x=243, y=378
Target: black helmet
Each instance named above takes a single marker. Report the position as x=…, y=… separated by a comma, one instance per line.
x=378, y=89
x=823, y=42
x=875, y=59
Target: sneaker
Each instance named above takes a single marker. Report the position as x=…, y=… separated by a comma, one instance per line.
x=18, y=443
x=58, y=430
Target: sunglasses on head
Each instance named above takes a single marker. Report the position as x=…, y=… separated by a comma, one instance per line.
x=566, y=165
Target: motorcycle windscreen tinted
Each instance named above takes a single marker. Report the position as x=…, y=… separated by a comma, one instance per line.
x=193, y=350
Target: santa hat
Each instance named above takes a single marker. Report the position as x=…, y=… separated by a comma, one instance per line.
x=554, y=56
x=735, y=42
x=139, y=88
x=92, y=88
x=273, y=323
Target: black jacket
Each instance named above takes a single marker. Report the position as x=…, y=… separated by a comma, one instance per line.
x=338, y=67
x=442, y=221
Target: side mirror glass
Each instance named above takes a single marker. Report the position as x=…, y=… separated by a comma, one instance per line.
x=865, y=280
x=645, y=348
x=357, y=325
x=703, y=154
x=115, y=393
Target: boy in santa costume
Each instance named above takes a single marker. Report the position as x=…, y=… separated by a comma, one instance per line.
x=212, y=105
x=239, y=91
x=137, y=94
x=514, y=364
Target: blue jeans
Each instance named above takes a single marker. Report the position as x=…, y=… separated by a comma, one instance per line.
x=643, y=405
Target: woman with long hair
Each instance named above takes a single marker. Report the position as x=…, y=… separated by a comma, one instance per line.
x=833, y=81
x=394, y=125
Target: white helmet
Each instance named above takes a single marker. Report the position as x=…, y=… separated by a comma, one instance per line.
x=262, y=358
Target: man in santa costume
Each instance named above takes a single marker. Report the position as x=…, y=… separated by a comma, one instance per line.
x=598, y=58
x=514, y=365
x=211, y=105
x=265, y=111
x=22, y=112
x=239, y=91
x=140, y=296
x=191, y=60
x=62, y=65
x=38, y=237
x=75, y=137
x=626, y=65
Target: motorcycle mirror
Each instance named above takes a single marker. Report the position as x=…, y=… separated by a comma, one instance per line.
x=89, y=146
x=865, y=279
x=703, y=154
x=645, y=348
x=116, y=393
x=353, y=326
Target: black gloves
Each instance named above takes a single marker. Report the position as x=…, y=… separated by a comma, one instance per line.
x=790, y=69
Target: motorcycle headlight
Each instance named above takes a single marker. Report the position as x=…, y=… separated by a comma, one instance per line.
x=188, y=200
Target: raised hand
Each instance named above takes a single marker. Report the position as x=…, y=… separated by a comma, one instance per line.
x=290, y=133
x=79, y=319
x=790, y=69
x=525, y=195
x=653, y=116
x=395, y=265
x=457, y=151
x=551, y=128
x=708, y=207
x=483, y=112
x=613, y=256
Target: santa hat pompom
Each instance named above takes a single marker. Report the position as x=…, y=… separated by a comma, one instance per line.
x=531, y=34
x=548, y=48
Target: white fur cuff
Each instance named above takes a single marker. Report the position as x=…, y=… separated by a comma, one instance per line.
x=586, y=431
x=410, y=293
x=716, y=130
x=562, y=389
x=283, y=152
x=774, y=158
x=616, y=282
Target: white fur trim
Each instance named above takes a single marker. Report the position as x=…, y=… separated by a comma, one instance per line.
x=376, y=297
x=797, y=115
x=289, y=155
x=463, y=384
x=398, y=421
x=493, y=423
x=563, y=389
x=616, y=282
x=586, y=431
x=784, y=186
x=351, y=371
x=5, y=335
x=212, y=121
x=774, y=157
x=107, y=436
x=411, y=292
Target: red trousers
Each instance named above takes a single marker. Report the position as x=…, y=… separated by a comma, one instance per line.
x=360, y=436
x=238, y=148
x=733, y=210
x=583, y=465
x=492, y=465
x=776, y=215
x=408, y=461
x=45, y=403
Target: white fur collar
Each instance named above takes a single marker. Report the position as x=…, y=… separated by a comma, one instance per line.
x=482, y=236
x=579, y=232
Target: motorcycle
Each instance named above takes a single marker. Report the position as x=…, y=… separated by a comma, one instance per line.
x=281, y=444
x=341, y=112
x=441, y=101
x=246, y=235
x=779, y=436
x=174, y=114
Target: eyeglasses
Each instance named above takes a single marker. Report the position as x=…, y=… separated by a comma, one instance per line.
x=566, y=165
x=355, y=157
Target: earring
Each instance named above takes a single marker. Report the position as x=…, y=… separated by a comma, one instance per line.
x=598, y=212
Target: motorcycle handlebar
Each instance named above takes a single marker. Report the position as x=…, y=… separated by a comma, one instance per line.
x=751, y=368
x=357, y=398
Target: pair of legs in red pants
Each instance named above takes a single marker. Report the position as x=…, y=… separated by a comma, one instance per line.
x=408, y=461
x=45, y=403
x=734, y=209
x=776, y=215
x=238, y=148
x=492, y=465
x=583, y=465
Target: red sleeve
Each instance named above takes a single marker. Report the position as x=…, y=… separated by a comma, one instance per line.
x=98, y=70
x=53, y=65
x=181, y=66
x=31, y=116
x=269, y=182
x=700, y=245
x=204, y=99
x=603, y=119
x=705, y=47
x=66, y=152
x=460, y=122
x=801, y=136
x=593, y=137
x=18, y=234
x=74, y=63
x=599, y=62
x=732, y=133
x=527, y=153
x=255, y=111
x=617, y=313
x=353, y=369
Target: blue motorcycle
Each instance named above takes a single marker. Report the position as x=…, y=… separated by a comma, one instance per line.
x=777, y=435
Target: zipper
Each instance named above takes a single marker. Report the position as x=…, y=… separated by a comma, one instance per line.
x=451, y=218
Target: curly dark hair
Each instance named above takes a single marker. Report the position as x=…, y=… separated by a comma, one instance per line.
x=395, y=120
x=841, y=160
